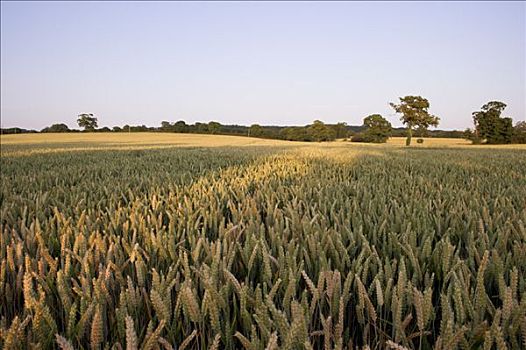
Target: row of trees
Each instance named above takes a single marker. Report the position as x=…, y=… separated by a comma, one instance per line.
x=414, y=112
x=376, y=128
x=317, y=131
x=489, y=126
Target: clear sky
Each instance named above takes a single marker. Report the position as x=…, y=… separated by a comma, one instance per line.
x=267, y=63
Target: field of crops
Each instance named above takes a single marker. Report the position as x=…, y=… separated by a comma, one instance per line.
x=261, y=245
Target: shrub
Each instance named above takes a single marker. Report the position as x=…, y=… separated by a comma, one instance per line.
x=360, y=137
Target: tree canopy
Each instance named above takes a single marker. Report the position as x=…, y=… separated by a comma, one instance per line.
x=415, y=114
x=378, y=128
x=341, y=130
x=214, y=127
x=255, y=130
x=490, y=126
x=321, y=132
x=56, y=128
x=87, y=121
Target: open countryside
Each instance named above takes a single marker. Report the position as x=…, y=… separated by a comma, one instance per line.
x=240, y=175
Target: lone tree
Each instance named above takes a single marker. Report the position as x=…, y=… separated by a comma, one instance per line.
x=87, y=121
x=414, y=110
x=378, y=128
x=490, y=126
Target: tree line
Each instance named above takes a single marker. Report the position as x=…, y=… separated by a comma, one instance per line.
x=489, y=127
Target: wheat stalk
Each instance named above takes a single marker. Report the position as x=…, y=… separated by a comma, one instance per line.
x=131, y=336
x=190, y=304
x=188, y=340
x=63, y=343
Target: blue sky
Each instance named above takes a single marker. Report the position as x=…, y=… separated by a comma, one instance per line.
x=246, y=62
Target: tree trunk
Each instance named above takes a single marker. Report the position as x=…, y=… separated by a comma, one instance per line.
x=409, y=135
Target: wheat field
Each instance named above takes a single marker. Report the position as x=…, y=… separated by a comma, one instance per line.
x=169, y=241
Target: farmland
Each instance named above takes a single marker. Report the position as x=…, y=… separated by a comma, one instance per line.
x=199, y=242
